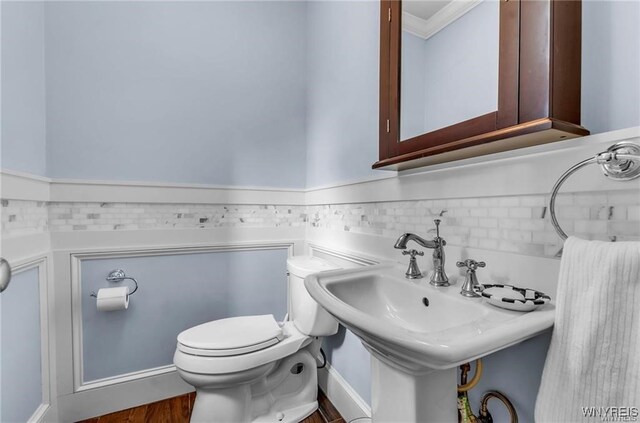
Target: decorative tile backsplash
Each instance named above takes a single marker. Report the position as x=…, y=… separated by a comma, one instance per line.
x=517, y=224
x=123, y=216
x=23, y=217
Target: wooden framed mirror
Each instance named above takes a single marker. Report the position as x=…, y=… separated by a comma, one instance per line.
x=537, y=79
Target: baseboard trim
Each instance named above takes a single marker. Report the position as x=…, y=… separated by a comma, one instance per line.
x=101, y=383
x=347, y=401
x=40, y=413
x=49, y=415
x=108, y=399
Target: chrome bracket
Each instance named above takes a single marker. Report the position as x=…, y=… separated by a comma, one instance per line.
x=117, y=276
x=621, y=161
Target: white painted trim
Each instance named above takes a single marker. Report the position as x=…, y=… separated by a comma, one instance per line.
x=23, y=186
x=25, y=175
x=139, y=192
x=39, y=414
x=354, y=258
x=127, y=377
x=79, y=385
x=25, y=248
x=40, y=263
x=146, y=184
x=79, y=241
x=427, y=28
x=346, y=400
x=108, y=399
x=382, y=174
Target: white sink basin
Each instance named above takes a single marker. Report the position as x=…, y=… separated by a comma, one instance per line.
x=418, y=334
x=388, y=312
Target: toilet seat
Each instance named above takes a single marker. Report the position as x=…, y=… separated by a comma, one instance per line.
x=231, y=336
x=199, y=362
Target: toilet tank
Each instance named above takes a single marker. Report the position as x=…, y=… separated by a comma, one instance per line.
x=307, y=315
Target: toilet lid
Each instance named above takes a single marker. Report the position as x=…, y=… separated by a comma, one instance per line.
x=232, y=336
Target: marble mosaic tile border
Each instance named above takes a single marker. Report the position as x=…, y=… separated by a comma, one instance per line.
x=21, y=217
x=518, y=224
x=132, y=216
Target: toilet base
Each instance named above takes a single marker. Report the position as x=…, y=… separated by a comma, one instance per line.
x=232, y=403
x=291, y=415
x=226, y=404
x=285, y=394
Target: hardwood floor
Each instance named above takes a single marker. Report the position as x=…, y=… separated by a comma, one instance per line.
x=178, y=410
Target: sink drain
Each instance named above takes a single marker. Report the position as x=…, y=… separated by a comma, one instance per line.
x=425, y=301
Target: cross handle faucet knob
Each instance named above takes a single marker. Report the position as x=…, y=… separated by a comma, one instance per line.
x=471, y=264
x=413, y=253
x=471, y=283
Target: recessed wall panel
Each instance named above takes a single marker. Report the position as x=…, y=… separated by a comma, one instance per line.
x=175, y=292
x=20, y=342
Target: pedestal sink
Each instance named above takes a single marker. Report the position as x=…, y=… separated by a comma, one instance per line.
x=418, y=334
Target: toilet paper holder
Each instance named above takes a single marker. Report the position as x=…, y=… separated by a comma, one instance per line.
x=116, y=276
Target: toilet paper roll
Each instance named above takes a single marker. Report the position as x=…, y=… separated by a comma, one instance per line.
x=113, y=299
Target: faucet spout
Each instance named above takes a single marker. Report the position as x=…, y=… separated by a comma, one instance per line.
x=439, y=277
x=401, y=243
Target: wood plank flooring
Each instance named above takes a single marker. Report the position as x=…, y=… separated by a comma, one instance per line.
x=178, y=410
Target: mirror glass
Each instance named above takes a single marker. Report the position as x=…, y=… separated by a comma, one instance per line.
x=449, y=63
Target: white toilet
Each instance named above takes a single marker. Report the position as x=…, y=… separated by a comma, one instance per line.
x=253, y=368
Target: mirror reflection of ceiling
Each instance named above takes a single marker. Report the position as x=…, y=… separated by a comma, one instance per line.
x=424, y=18
x=423, y=9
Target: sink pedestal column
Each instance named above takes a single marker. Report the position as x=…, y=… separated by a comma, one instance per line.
x=424, y=397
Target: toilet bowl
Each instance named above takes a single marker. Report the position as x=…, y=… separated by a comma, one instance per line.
x=253, y=368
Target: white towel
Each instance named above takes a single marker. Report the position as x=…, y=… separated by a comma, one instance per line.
x=594, y=356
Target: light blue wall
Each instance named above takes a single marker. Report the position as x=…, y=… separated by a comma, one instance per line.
x=22, y=145
x=20, y=362
x=413, y=81
x=610, y=65
x=342, y=90
x=347, y=355
x=462, y=68
x=199, y=92
x=176, y=292
x=137, y=89
x=516, y=372
x=453, y=75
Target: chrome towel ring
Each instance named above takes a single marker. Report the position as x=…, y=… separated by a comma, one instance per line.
x=621, y=162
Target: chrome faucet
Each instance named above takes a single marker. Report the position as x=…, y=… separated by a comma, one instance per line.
x=439, y=277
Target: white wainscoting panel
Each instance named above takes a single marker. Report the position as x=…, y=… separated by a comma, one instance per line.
x=219, y=305
x=39, y=265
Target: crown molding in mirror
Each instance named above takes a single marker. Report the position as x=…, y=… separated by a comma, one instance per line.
x=427, y=28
